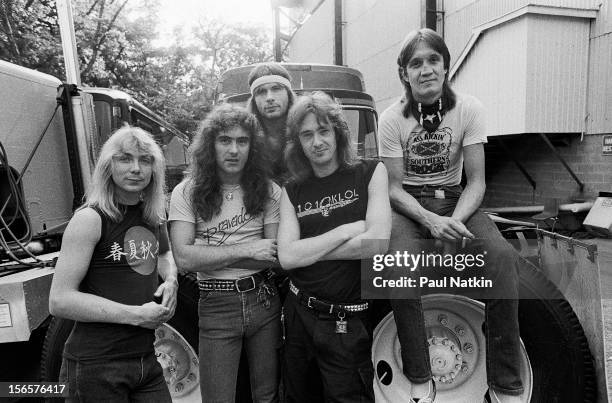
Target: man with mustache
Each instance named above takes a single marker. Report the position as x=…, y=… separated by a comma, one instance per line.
x=271, y=98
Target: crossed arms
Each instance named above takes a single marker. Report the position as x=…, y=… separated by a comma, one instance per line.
x=344, y=241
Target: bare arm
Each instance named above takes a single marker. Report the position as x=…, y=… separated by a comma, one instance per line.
x=294, y=252
x=471, y=198
x=205, y=258
x=377, y=223
x=445, y=228
x=65, y=299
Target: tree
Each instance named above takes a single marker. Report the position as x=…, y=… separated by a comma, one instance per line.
x=115, y=43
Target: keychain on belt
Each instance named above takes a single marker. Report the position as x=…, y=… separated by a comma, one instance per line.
x=341, y=324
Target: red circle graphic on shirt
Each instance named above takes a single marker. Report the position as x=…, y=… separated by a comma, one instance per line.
x=141, y=248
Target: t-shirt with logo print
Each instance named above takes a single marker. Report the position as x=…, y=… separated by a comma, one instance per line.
x=432, y=158
x=322, y=204
x=233, y=225
x=123, y=268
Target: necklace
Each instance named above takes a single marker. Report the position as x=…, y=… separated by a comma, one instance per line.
x=430, y=118
x=229, y=193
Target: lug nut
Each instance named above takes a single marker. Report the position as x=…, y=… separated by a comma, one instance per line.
x=445, y=341
x=469, y=348
x=464, y=368
x=459, y=357
x=443, y=319
x=460, y=331
x=457, y=367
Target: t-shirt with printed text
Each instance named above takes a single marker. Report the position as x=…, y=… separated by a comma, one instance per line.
x=233, y=225
x=432, y=158
x=322, y=204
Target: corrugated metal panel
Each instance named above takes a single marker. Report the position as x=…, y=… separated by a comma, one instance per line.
x=314, y=41
x=495, y=73
x=603, y=23
x=373, y=37
x=557, y=62
x=460, y=21
x=600, y=86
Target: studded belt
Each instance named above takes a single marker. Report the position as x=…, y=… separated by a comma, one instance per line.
x=321, y=306
x=242, y=284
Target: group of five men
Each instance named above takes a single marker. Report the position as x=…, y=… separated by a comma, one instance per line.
x=297, y=198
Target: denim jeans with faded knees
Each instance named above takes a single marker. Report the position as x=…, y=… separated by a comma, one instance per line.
x=134, y=379
x=501, y=314
x=343, y=359
x=229, y=321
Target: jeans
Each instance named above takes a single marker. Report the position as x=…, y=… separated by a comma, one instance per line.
x=229, y=321
x=134, y=379
x=501, y=314
x=344, y=360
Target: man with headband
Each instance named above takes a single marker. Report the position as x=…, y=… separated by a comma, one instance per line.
x=271, y=98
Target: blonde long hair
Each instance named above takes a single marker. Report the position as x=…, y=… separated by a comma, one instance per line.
x=101, y=193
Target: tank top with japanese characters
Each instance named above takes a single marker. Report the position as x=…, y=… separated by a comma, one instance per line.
x=123, y=268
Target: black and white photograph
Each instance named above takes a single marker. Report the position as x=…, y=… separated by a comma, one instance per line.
x=306, y=201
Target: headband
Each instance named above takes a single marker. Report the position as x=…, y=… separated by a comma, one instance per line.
x=270, y=79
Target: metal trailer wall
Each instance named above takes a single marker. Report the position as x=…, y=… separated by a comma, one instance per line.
x=27, y=104
x=374, y=29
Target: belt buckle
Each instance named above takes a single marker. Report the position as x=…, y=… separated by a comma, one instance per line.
x=310, y=299
x=249, y=289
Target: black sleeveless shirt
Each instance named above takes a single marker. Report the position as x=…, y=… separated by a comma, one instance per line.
x=123, y=268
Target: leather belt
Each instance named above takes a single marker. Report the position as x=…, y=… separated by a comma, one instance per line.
x=326, y=307
x=242, y=284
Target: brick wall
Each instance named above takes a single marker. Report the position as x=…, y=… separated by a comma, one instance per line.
x=506, y=185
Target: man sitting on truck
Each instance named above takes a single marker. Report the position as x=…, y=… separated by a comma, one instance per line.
x=271, y=98
x=427, y=138
x=224, y=219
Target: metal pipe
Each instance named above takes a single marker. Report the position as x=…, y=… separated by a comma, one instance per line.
x=338, y=60
x=560, y=158
x=569, y=207
x=66, y=26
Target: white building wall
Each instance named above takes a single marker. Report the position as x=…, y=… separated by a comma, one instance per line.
x=557, y=66
x=374, y=30
x=500, y=83
x=599, y=118
x=372, y=39
x=314, y=41
x=461, y=16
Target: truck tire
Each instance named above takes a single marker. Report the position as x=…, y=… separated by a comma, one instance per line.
x=51, y=357
x=561, y=365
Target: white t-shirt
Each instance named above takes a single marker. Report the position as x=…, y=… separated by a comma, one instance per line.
x=432, y=158
x=233, y=225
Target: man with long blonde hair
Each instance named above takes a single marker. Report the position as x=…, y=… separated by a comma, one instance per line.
x=106, y=277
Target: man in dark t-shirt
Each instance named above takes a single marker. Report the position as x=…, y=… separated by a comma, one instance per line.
x=330, y=211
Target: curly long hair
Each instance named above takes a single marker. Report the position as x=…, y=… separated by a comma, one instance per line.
x=324, y=108
x=432, y=39
x=206, y=194
x=101, y=192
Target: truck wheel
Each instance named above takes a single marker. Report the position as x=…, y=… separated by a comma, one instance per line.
x=51, y=357
x=556, y=362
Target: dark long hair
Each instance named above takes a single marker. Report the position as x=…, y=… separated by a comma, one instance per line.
x=324, y=108
x=206, y=193
x=432, y=39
